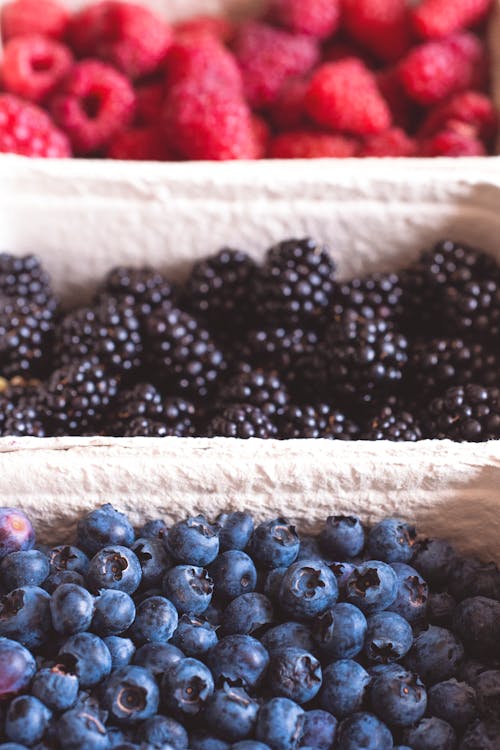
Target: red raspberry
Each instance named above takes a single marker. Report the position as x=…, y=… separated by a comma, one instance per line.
x=149, y=103
x=434, y=19
x=468, y=110
x=288, y=111
x=394, y=142
x=339, y=49
x=344, y=96
x=93, y=104
x=204, y=121
x=33, y=66
x=139, y=144
x=382, y=26
x=268, y=57
x=405, y=113
x=23, y=17
x=318, y=18
x=310, y=144
x=261, y=135
x=129, y=36
x=201, y=56
x=27, y=130
x=450, y=143
x=218, y=26
x=435, y=70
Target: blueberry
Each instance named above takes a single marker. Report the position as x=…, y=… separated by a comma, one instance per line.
x=235, y=530
x=343, y=537
x=122, y=650
x=310, y=549
x=204, y=741
x=294, y=674
x=247, y=614
x=340, y=631
x=295, y=634
x=162, y=730
x=130, y=694
x=392, y=540
x=16, y=532
x=29, y=568
x=372, y=586
x=413, y=594
x=56, y=686
x=388, y=638
x=66, y=557
x=469, y=577
x=90, y=657
x=114, y=568
x=441, y=608
x=114, y=613
x=431, y=734
x=308, y=588
x=239, y=659
x=454, y=702
x=104, y=527
x=155, y=621
x=363, y=730
x=157, y=657
x=488, y=694
x=249, y=745
x=319, y=730
x=435, y=655
x=25, y=616
x=153, y=559
x=470, y=669
x=272, y=582
x=63, y=576
x=274, y=544
x=71, y=608
x=194, y=635
x=194, y=541
x=12, y=746
x=80, y=729
x=398, y=698
x=26, y=720
x=476, y=622
x=481, y=735
x=189, y=588
x=231, y=713
x=187, y=687
x=433, y=559
x=233, y=574
x=155, y=529
x=344, y=688
x=214, y=613
x=280, y=723
x=341, y=571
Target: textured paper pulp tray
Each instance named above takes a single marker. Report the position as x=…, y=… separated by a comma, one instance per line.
x=373, y=218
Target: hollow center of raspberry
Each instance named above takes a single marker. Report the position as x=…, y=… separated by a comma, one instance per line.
x=91, y=105
x=42, y=63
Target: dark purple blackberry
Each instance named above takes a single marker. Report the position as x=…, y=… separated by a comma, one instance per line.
x=76, y=396
x=20, y=410
x=219, y=290
x=26, y=331
x=465, y=413
x=144, y=404
x=376, y=296
x=277, y=348
x=473, y=309
x=261, y=388
x=315, y=421
x=144, y=289
x=146, y=427
x=108, y=330
x=296, y=284
x=25, y=277
x=241, y=421
x=392, y=421
x=183, y=354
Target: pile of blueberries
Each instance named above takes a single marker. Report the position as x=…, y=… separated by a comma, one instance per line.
x=236, y=636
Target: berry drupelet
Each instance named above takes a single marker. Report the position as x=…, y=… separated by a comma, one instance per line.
x=315, y=421
x=260, y=388
x=143, y=410
x=21, y=411
x=25, y=278
x=376, y=296
x=144, y=289
x=26, y=332
x=241, y=421
x=392, y=421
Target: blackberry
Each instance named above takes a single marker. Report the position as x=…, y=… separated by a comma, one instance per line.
x=144, y=289
x=144, y=404
x=241, y=421
x=392, y=421
x=465, y=413
x=26, y=330
x=258, y=388
x=315, y=421
x=379, y=295
x=218, y=289
x=184, y=353
x=278, y=348
x=473, y=309
x=109, y=330
x=25, y=277
x=296, y=284
x=76, y=396
x=146, y=427
x=20, y=410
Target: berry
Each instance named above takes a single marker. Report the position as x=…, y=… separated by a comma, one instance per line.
x=295, y=674
x=288, y=110
x=320, y=18
x=156, y=621
x=431, y=733
x=311, y=144
x=160, y=730
x=344, y=688
x=103, y=526
x=235, y=530
x=81, y=729
x=474, y=622
x=20, y=18
x=372, y=586
x=392, y=142
x=381, y=26
x=344, y=96
x=274, y=543
x=343, y=536
x=454, y=702
x=194, y=541
x=25, y=616
x=127, y=35
x=130, y=694
x=289, y=635
x=247, y=614
x=315, y=421
x=29, y=568
x=93, y=103
x=433, y=558
x=143, y=288
x=435, y=655
x=398, y=698
x=239, y=659
x=451, y=143
x=473, y=308
x=242, y=421
x=16, y=532
x=319, y=729
x=187, y=687
x=26, y=334
x=195, y=635
x=218, y=26
x=308, y=588
x=468, y=412
x=434, y=19
x=157, y=658
x=56, y=686
x=233, y=573
x=89, y=658
x=114, y=567
x=231, y=713
x=388, y=638
x=154, y=560
x=468, y=113
x=392, y=541
x=260, y=388
x=189, y=588
x=114, y=613
x=17, y=667
x=71, y=608
x=340, y=632
x=413, y=594
x=441, y=608
x=393, y=422
x=363, y=730
x=154, y=529
x=122, y=650
x=33, y=66
x=24, y=276
x=27, y=130
x=279, y=724
x=26, y=720
x=481, y=735
x=139, y=144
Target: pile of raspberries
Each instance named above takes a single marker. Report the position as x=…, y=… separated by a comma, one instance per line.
x=322, y=78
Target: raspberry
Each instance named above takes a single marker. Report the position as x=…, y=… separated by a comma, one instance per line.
x=451, y=143
x=344, y=96
x=261, y=136
x=288, y=110
x=405, y=113
x=468, y=110
x=139, y=144
x=127, y=35
x=207, y=122
x=339, y=49
x=393, y=142
x=268, y=57
x=202, y=57
x=149, y=103
x=434, y=19
x=33, y=66
x=435, y=70
x=380, y=25
x=23, y=17
x=310, y=144
x=218, y=26
x=318, y=18
x=94, y=103
x=25, y=129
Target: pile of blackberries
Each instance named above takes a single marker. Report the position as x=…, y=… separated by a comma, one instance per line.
x=235, y=636
x=278, y=350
